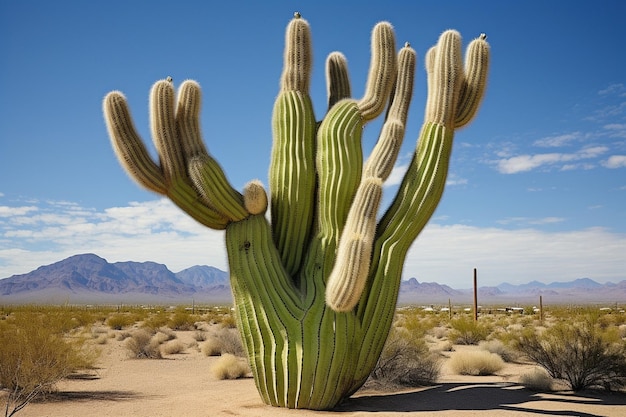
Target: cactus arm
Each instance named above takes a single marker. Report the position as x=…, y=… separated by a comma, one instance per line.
x=337, y=78
x=349, y=276
x=420, y=190
x=292, y=166
x=474, y=81
x=129, y=147
x=136, y=160
x=382, y=71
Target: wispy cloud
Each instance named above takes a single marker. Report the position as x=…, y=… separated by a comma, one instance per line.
x=158, y=231
x=527, y=162
x=614, y=89
x=558, y=140
x=155, y=230
x=525, y=221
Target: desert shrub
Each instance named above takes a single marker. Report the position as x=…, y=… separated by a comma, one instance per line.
x=406, y=361
x=123, y=335
x=228, y=320
x=142, y=346
x=439, y=332
x=229, y=366
x=173, y=347
x=578, y=354
x=119, y=321
x=537, y=380
x=507, y=353
x=156, y=320
x=212, y=347
x=476, y=362
x=34, y=356
x=182, y=320
x=102, y=339
x=224, y=340
x=466, y=331
x=164, y=335
x=199, y=336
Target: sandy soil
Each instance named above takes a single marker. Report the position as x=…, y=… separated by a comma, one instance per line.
x=182, y=385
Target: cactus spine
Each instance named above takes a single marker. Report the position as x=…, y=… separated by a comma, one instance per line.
x=315, y=290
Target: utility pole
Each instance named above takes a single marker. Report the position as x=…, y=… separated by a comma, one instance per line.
x=475, y=296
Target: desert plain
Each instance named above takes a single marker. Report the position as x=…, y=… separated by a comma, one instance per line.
x=184, y=384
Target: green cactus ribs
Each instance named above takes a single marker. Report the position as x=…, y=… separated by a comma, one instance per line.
x=315, y=283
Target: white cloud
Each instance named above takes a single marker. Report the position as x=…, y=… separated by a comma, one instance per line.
x=154, y=230
x=7, y=211
x=615, y=161
x=448, y=254
x=158, y=231
x=524, y=163
x=557, y=141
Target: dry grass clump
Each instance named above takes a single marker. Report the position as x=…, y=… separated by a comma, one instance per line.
x=199, y=336
x=141, y=345
x=223, y=340
x=466, y=331
x=507, y=353
x=164, y=335
x=537, y=380
x=173, y=347
x=230, y=367
x=476, y=362
x=405, y=360
x=212, y=347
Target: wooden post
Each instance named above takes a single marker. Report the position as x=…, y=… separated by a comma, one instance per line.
x=541, y=309
x=475, y=296
x=450, y=309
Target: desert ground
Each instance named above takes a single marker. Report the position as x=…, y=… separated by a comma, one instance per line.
x=183, y=384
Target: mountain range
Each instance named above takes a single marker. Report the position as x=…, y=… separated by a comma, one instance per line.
x=88, y=278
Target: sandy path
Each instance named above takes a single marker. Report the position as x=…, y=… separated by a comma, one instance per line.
x=182, y=385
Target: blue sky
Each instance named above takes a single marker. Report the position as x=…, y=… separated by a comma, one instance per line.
x=537, y=183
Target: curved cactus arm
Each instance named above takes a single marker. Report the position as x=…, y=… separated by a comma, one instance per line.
x=382, y=72
x=339, y=153
x=168, y=177
x=349, y=275
x=474, y=81
x=421, y=188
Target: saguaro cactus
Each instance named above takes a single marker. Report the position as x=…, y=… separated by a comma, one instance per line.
x=315, y=289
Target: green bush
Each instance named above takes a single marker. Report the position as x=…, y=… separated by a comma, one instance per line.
x=181, y=320
x=466, y=331
x=119, y=321
x=34, y=356
x=578, y=354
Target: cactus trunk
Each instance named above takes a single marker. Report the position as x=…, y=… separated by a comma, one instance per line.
x=315, y=289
